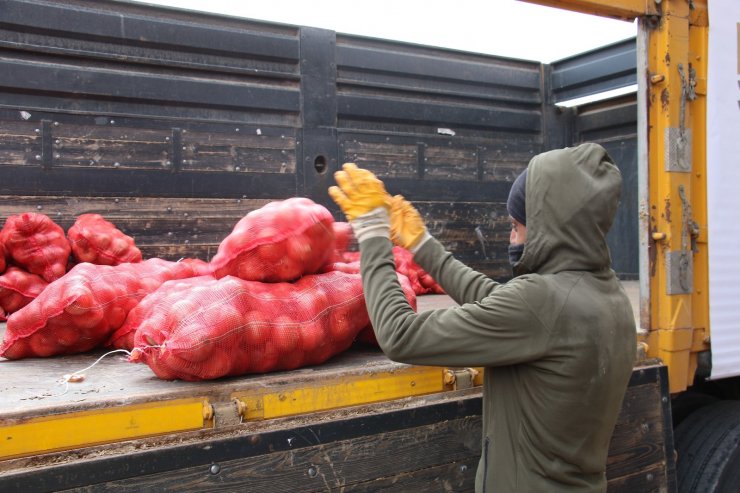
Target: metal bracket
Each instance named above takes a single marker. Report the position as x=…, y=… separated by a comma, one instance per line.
x=463, y=378
x=678, y=140
x=226, y=414
x=680, y=272
x=678, y=150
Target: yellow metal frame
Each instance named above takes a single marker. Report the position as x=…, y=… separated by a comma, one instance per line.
x=621, y=9
x=677, y=55
x=352, y=390
x=675, y=82
x=20, y=438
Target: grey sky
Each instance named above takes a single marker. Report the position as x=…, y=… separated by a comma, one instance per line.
x=499, y=27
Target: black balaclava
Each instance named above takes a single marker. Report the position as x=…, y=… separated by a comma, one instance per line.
x=516, y=206
x=516, y=202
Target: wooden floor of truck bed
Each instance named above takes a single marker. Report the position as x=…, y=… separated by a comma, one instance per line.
x=34, y=386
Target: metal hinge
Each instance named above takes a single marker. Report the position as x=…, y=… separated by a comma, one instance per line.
x=227, y=413
x=680, y=263
x=678, y=141
x=458, y=379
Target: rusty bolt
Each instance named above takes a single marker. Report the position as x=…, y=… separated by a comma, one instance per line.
x=241, y=408
x=449, y=378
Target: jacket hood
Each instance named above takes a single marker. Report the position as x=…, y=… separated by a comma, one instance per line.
x=572, y=196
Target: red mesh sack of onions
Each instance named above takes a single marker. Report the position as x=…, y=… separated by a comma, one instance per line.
x=95, y=240
x=347, y=267
x=367, y=335
x=18, y=288
x=343, y=237
x=152, y=309
x=421, y=282
x=342, y=259
x=37, y=244
x=79, y=311
x=3, y=254
x=230, y=326
x=279, y=242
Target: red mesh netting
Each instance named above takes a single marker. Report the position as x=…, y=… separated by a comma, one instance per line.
x=343, y=236
x=3, y=254
x=279, y=242
x=213, y=328
x=347, y=267
x=79, y=311
x=18, y=288
x=421, y=281
x=95, y=240
x=339, y=259
x=37, y=244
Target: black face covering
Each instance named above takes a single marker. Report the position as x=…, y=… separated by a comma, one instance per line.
x=515, y=253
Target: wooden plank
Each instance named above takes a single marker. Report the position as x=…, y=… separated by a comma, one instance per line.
x=477, y=233
x=637, y=441
x=169, y=228
x=385, y=159
x=650, y=479
x=112, y=146
x=21, y=142
x=505, y=162
x=451, y=477
x=173, y=228
x=338, y=465
x=451, y=163
x=239, y=151
x=458, y=477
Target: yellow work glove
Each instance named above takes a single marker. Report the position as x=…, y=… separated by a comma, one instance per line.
x=363, y=199
x=407, y=226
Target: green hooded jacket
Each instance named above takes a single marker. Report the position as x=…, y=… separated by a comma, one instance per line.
x=557, y=341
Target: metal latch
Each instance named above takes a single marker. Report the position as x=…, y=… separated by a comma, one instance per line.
x=225, y=413
x=462, y=378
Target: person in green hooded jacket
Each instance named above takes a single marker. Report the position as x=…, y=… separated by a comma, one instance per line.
x=557, y=341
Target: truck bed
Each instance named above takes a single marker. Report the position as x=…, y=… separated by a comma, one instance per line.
x=359, y=422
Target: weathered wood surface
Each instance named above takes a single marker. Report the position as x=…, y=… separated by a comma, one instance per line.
x=637, y=449
x=169, y=228
x=137, y=143
x=347, y=465
x=31, y=387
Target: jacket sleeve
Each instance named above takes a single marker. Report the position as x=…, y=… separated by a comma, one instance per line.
x=498, y=330
x=460, y=282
